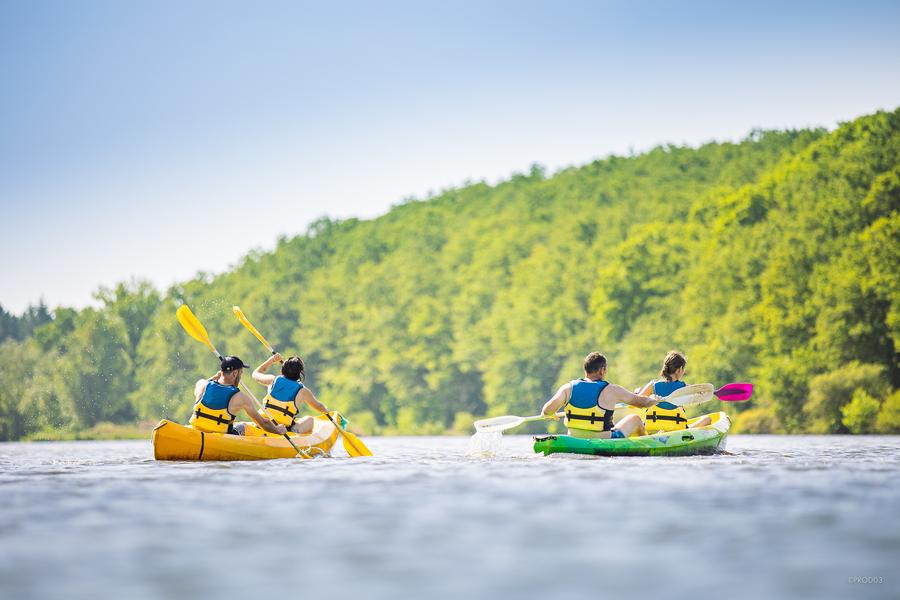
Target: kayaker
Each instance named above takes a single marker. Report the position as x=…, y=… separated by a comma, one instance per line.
x=286, y=393
x=665, y=416
x=218, y=401
x=589, y=404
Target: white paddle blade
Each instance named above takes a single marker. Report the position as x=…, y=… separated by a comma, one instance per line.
x=498, y=423
x=691, y=394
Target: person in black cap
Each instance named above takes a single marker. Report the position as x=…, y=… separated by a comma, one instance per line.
x=218, y=400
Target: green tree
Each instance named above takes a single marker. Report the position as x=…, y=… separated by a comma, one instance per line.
x=830, y=392
x=860, y=413
x=93, y=377
x=771, y=260
x=15, y=380
x=134, y=304
x=19, y=328
x=888, y=420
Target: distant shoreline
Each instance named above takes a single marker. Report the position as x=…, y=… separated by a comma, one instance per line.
x=143, y=432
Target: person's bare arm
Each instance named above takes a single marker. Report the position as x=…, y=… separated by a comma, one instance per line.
x=647, y=390
x=260, y=376
x=613, y=394
x=558, y=400
x=199, y=388
x=242, y=401
x=306, y=395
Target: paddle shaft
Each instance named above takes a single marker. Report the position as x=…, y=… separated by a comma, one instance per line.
x=343, y=433
x=724, y=393
x=485, y=425
x=540, y=418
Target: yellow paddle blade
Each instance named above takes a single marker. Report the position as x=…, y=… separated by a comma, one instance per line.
x=193, y=326
x=243, y=319
x=353, y=445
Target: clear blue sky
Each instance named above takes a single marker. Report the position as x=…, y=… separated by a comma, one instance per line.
x=157, y=139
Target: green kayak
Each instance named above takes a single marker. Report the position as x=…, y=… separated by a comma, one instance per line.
x=703, y=440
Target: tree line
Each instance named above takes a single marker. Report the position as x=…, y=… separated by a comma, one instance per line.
x=772, y=260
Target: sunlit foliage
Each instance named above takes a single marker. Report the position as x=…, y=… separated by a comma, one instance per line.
x=772, y=260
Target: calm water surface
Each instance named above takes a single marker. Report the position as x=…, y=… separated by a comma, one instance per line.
x=778, y=517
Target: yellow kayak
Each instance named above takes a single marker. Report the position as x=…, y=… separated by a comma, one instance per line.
x=173, y=441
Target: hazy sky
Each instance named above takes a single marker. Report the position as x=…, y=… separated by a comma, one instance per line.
x=158, y=139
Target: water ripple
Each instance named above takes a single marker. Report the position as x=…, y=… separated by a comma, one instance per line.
x=775, y=517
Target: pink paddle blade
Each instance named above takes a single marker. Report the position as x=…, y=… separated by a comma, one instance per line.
x=735, y=392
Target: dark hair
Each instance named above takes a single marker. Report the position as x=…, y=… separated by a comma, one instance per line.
x=674, y=361
x=593, y=362
x=293, y=368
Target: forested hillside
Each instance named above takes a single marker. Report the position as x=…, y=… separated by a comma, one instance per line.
x=774, y=260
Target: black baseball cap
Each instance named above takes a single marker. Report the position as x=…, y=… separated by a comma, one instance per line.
x=233, y=363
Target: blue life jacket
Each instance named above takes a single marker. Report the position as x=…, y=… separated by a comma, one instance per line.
x=586, y=393
x=665, y=388
x=281, y=402
x=217, y=396
x=211, y=410
x=285, y=389
x=583, y=410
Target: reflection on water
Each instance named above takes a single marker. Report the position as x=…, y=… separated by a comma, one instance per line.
x=777, y=517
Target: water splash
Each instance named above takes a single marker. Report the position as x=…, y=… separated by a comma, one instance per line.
x=485, y=444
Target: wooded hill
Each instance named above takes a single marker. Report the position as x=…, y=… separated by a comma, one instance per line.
x=775, y=260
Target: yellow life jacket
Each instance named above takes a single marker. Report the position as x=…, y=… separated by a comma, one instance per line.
x=211, y=410
x=665, y=416
x=281, y=402
x=583, y=411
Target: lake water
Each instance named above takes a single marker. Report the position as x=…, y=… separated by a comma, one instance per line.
x=778, y=517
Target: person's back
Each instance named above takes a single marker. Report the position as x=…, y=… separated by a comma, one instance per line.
x=281, y=400
x=584, y=415
x=211, y=412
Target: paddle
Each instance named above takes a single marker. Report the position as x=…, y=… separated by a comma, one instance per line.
x=352, y=444
x=691, y=394
x=701, y=392
x=686, y=396
x=734, y=392
x=195, y=329
x=507, y=422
